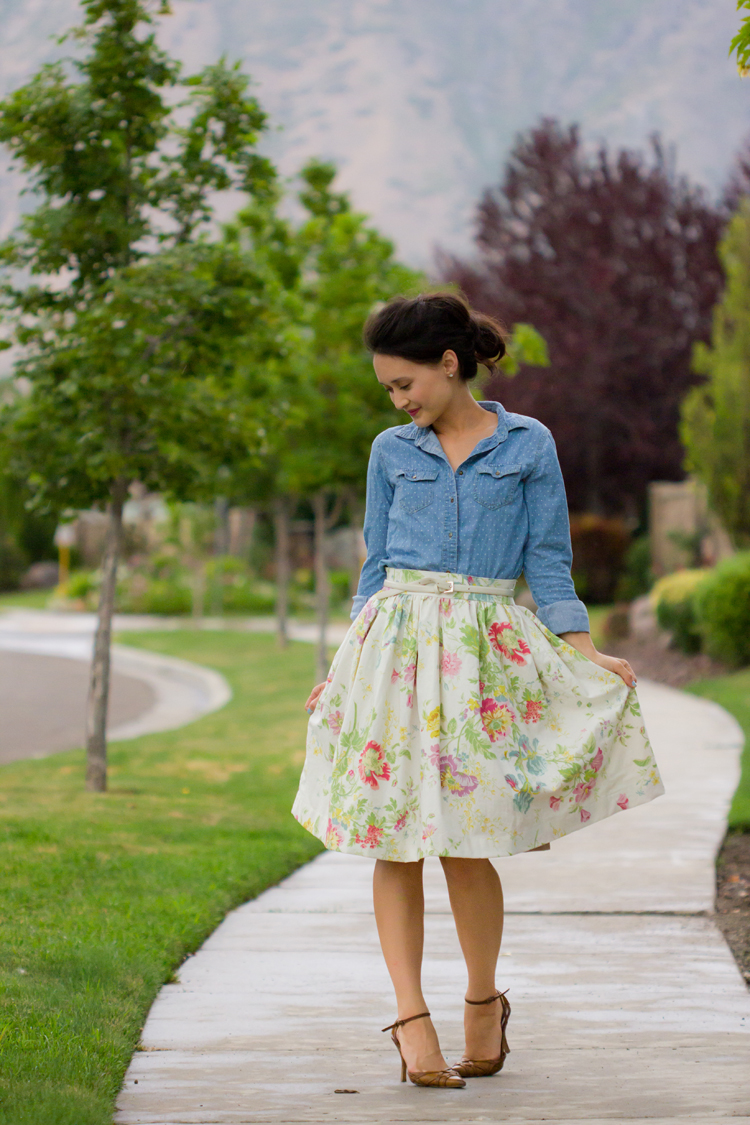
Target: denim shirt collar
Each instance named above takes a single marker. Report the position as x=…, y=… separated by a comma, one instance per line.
x=425, y=438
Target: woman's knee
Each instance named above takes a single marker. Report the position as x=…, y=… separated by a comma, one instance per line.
x=465, y=870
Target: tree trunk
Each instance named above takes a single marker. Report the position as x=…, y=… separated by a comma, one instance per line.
x=98, y=701
x=322, y=583
x=283, y=567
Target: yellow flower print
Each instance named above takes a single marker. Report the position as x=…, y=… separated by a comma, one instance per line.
x=432, y=719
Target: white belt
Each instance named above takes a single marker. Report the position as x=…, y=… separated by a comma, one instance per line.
x=503, y=587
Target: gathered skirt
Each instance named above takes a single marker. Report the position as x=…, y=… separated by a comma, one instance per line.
x=458, y=725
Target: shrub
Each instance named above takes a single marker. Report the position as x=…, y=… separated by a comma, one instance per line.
x=599, y=546
x=164, y=596
x=637, y=576
x=674, y=600
x=723, y=608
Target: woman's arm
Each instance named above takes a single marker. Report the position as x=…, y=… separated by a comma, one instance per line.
x=377, y=507
x=547, y=561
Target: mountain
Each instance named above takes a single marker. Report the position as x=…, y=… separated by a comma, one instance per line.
x=418, y=101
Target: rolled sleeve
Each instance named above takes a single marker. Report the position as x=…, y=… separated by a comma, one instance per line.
x=547, y=552
x=378, y=505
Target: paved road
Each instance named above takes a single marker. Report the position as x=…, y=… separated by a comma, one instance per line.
x=627, y=1004
x=44, y=672
x=43, y=703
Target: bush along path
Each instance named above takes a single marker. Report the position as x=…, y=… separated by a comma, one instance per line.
x=702, y=675
x=104, y=894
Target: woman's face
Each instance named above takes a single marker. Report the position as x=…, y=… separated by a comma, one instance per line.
x=423, y=390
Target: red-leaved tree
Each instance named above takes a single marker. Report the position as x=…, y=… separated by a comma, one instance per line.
x=614, y=260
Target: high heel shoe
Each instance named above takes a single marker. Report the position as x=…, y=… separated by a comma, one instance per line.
x=483, y=1068
x=446, y=1077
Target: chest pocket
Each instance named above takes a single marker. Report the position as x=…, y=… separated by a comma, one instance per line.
x=496, y=485
x=416, y=488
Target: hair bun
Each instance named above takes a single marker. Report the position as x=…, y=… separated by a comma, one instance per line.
x=489, y=344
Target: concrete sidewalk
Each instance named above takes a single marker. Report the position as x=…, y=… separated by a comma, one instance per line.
x=627, y=1004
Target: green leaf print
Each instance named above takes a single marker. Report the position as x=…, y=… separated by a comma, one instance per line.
x=470, y=638
x=641, y=762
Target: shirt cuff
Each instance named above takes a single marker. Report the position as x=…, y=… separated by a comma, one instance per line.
x=358, y=601
x=570, y=616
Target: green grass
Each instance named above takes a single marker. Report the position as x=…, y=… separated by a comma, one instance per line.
x=103, y=895
x=733, y=692
x=25, y=599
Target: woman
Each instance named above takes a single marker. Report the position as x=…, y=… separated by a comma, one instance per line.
x=453, y=722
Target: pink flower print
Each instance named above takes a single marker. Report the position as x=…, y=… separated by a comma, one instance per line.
x=585, y=815
x=533, y=711
x=512, y=648
x=335, y=719
x=453, y=779
x=410, y=701
x=400, y=822
x=350, y=773
x=334, y=836
x=371, y=838
x=596, y=761
x=554, y=803
x=410, y=673
x=451, y=664
x=496, y=718
x=373, y=767
x=429, y=830
x=583, y=790
x=434, y=755
x=511, y=781
x=481, y=686
x=622, y=801
x=446, y=607
x=394, y=676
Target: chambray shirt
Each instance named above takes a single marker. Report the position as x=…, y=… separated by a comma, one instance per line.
x=501, y=512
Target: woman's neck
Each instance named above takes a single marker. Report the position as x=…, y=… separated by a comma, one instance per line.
x=464, y=415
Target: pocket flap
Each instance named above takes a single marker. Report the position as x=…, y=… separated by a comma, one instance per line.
x=417, y=474
x=499, y=470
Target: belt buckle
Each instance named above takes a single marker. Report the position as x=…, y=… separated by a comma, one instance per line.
x=449, y=590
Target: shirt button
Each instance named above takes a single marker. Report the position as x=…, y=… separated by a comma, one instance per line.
x=450, y=534
x=452, y=500
x=460, y=472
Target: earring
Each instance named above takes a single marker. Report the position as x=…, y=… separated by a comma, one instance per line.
x=450, y=374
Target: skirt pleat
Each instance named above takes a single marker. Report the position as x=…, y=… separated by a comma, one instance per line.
x=458, y=725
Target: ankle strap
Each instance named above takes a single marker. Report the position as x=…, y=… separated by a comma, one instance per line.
x=400, y=1023
x=489, y=1000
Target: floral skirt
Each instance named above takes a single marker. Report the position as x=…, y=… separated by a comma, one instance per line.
x=458, y=725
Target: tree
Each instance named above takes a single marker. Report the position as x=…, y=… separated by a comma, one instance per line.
x=139, y=336
x=614, y=260
x=741, y=41
x=716, y=414
x=346, y=267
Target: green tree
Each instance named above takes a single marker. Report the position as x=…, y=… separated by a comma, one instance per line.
x=140, y=338
x=741, y=42
x=715, y=425
x=346, y=268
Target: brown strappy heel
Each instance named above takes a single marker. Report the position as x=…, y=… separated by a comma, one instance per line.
x=447, y=1077
x=483, y=1068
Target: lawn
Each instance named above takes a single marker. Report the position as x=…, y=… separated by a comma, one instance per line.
x=103, y=895
x=733, y=692
x=25, y=599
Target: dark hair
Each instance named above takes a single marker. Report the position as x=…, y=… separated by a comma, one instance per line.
x=423, y=328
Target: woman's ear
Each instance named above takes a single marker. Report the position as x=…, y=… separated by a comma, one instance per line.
x=450, y=363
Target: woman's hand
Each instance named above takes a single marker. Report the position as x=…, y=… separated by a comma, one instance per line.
x=313, y=697
x=584, y=644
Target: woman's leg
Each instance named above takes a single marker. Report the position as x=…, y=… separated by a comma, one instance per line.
x=399, y=912
x=476, y=897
